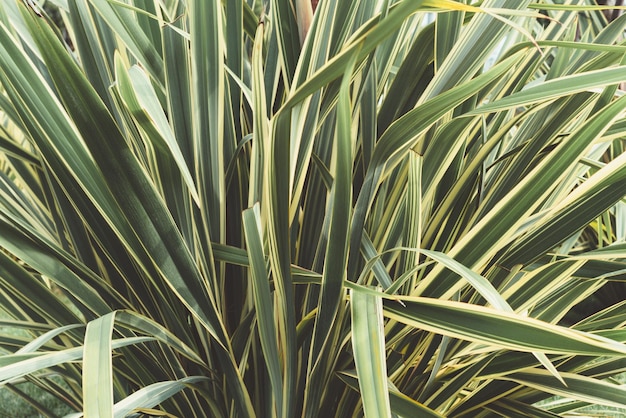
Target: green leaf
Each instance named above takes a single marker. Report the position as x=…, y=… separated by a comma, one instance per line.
x=260, y=134
x=496, y=328
x=341, y=208
x=207, y=94
x=123, y=23
x=141, y=99
x=284, y=14
x=38, y=342
x=154, y=394
x=368, y=345
x=97, y=367
x=576, y=387
x=9, y=146
x=555, y=88
x=17, y=365
x=139, y=323
x=263, y=303
x=401, y=404
x=48, y=259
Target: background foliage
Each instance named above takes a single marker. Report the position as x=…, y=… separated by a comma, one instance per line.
x=409, y=208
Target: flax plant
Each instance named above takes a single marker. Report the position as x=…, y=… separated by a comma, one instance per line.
x=275, y=208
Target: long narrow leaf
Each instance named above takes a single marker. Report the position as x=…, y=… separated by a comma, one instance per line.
x=368, y=344
x=17, y=365
x=577, y=387
x=500, y=329
x=153, y=395
x=263, y=302
x=98, y=365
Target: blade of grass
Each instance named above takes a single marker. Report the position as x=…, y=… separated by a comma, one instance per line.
x=496, y=328
x=368, y=345
x=154, y=394
x=264, y=305
x=401, y=404
x=97, y=367
x=123, y=23
x=141, y=99
x=556, y=88
x=17, y=365
x=577, y=387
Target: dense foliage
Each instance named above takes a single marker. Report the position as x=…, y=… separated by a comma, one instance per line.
x=396, y=208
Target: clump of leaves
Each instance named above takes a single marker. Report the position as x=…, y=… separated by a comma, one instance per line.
x=256, y=209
